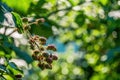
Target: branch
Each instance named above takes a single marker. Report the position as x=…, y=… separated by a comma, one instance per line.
x=68, y=8
x=1, y=25
x=59, y=10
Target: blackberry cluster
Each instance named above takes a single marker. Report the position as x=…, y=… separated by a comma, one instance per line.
x=42, y=53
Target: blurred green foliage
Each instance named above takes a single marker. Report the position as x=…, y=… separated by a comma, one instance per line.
x=94, y=25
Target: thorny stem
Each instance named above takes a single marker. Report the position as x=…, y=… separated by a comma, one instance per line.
x=30, y=36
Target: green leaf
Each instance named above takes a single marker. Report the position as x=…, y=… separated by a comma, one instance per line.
x=13, y=65
x=2, y=68
x=74, y=2
x=51, y=1
x=22, y=54
x=42, y=30
x=80, y=18
x=104, y=2
x=19, y=5
x=13, y=70
x=18, y=21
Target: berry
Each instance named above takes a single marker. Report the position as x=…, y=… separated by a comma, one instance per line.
x=18, y=76
x=34, y=56
x=41, y=66
x=25, y=19
x=36, y=51
x=40, y=58
x=42, y=40
x=45, y=54
x=26, y=27
x=54, y=57
x=51, y=47
x=49, y=60
x=40, y=20
x=41, y=48
x=48, y=66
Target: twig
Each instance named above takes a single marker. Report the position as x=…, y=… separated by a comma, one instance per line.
x=12, y=32
x=68, y=8
x=59, y=10
x=6, y=26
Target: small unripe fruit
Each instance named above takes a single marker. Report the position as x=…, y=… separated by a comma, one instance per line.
x=40, y=20
x=42, y=40
x=51, y=47
x=49, y=60
x=40, y=58
x=26, y=27
x=42, y=43
x=41, y=48
x=18, y=76
x=25, y=19
x=48, y=66
x=41, y=66
x=34, y=56
x=54, y=57
x=36, y=51
x=45, y=54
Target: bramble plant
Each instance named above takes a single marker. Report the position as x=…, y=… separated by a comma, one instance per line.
x=42, y=53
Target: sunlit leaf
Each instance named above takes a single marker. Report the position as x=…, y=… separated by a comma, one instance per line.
x=21, y=5
x=104, y=2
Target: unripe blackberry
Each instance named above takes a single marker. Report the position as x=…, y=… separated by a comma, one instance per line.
x=42, y=48
x=42, y=43
x=26, y=27
x=40, y=20
x=34, y=56
x=49, y=60
x=51, y=47
x=41, y=66
x=42, y=40
x=36, y=51
x=45, y=54
x=48, y=66
x=18, y=76
x=54, y=57
x=40, y=58
x=32, y=46
x=25, y=19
